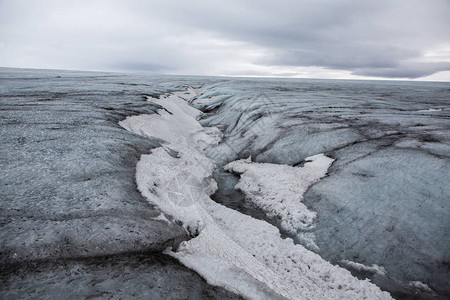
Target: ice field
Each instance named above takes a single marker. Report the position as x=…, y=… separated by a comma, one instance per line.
x=210, y=187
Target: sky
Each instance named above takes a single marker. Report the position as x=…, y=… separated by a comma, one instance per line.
x=360, y=39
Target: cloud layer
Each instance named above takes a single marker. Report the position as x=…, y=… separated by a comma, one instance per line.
x=324, y=38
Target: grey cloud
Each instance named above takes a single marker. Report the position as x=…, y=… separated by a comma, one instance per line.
x=383, y=38
x=405, y=70
x=376, y=38
x=341, y=56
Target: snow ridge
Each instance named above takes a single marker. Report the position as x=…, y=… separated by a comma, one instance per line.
x=376, y=269
x=236, y=251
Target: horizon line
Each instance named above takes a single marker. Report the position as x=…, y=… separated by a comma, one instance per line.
x=150, y=73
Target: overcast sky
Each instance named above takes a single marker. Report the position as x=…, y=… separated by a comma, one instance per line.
x=407, y=39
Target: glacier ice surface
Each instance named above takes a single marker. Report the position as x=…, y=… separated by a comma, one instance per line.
x=245, y=255
x=68, y=168
x=73, y=223
x=385, y=199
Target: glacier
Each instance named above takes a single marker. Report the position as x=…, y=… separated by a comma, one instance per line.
x=385, y=199
x=73, y=223
x=230, y=249
x=175, y=200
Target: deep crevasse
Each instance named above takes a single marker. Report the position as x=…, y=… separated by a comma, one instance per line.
x=230, y=249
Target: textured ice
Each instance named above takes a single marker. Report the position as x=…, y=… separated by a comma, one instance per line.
x=385, y=200
x=125, y=276
x=71, y=216
x=68, y=187
x=67, y=175
x=401, y=195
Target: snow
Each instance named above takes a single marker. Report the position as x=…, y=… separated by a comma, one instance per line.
x=229, y=249
x=175, y=124
x=430, y=110
x=278, y=191
x=421, y=286
x=360, y=267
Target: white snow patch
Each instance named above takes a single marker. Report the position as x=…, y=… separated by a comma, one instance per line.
x=179, y=127
x=430, y=110
x=162, y=217
x=278, y=191
x=177, y=185
x=375, y=269
x=421, y=286
x=229, y=249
